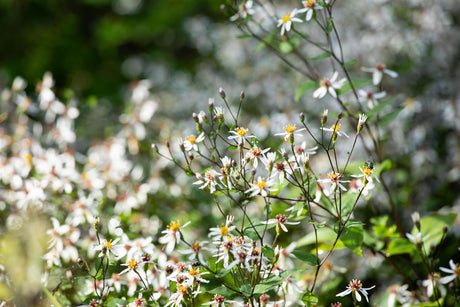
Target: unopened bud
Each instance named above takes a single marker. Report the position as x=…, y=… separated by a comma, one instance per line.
x=155, y=147
x=445, y=229
x=168, y=145
x=340, y=115
x=302, y=117
x=195, y=117
x=324, y=118
x=242, y=95
x=80, y=261
x=211, y=104
x=190, y=156
x=97, y=224
x=181, y=146
x=253, y=171
x=222, y=93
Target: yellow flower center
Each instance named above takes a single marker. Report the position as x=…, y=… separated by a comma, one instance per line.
x=286, y=18
x=191, y=139
x=311, y=3
x=367, y=171
x=196, y=247
x=457, y=270
x=174, y=226
x=241, y=131
x=261, y=184
x=109, y=245
x=193, y=272
x=224, y=230
x=333, y=177
x=132, y=264
x=290, y=129
x=183, y=290
x=336, y=128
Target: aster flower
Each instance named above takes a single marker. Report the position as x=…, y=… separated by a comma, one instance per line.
x=335, y=129
x=110, y=248
x=289, y=132
x=280, y=221
x=355, y=287
x=208, y=180
x=329, y=86
x=191, y=142
x=454, y=272
x=245, y=10
x=219, y=301
x=335, y=181
x=378, y=71
x=371, y=97
x=310, y=6
x=262, y=187
x=172, y=235
x=218, y=233
x=367, y=172
x=255, y=153
x=239, y=135
x=417, y=239
x=131, y=265
x=286, y=22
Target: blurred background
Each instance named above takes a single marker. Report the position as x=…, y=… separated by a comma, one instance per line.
x=182, y=51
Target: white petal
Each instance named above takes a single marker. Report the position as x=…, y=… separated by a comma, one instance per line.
x=346, y=292
x=391, y=73
x=376, y=77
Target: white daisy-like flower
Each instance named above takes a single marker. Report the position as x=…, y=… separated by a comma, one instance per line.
x=310, y=6
x=281, y=222
x=191, y=142
x=367, y=172
x=290, y=131
x=244, y=11
x=355, y=287
x=454, y=272
x=378, y=71
x=109, y=247
x=208, y=180
x=239, y=135
x=329, y=86
x=219, y=301
x=286, y=22
x=335, y=181
x=335, y=129
x=417, y=239
x=172, y=236
x=218, y=233
x=371, y=98
x=262, y=187
x=255, y=153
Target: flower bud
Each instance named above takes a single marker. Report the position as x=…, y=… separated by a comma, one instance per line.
x=96, y=224
x=302, y=117
x=340, y=115
x=222, y=93
x=190, y=155
x=168, y=145
x=445, y=229
x=181, y=146
x=195, y=117
x=211, y=104
x=324, y=118
x=155, y=147
x=242, y=95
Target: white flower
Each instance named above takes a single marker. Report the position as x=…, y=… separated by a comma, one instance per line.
x=355, y=287
x=378, y=71
x=290, y=131
x=286, y=22
x=417, y=239
x=329, y=85
x=172, y=235
x=110, y=247
x=335, y=129
x=244, y=11
x=334, y=180
x=209, y=180
x=192, y=141
x=371, y=97
x=367, y=173
x=454, y=271
x=310, y=6
x=262, y=187
x=280, y=221
x=217, y=233
x=239, y=135
x=255, y=153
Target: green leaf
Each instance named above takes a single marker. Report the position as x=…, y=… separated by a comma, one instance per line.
x=231, y=147
x=309, y=299
x=432, y=226
x=268, y=251
x=251, y=231
x=383, y=167
x=308, y=258
x=389, y=117
x=324, y=55
x=305, y=88
x=329, y=26
x=400, y=246
x=244, y=36
x=352, y=237
x=50, y=297
x=324, y=234
x=115, y=302
x=350, y=63
x=382, y=230
x=272, y=282
x=348, y=200
x=379, y=108
x=246, y=289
